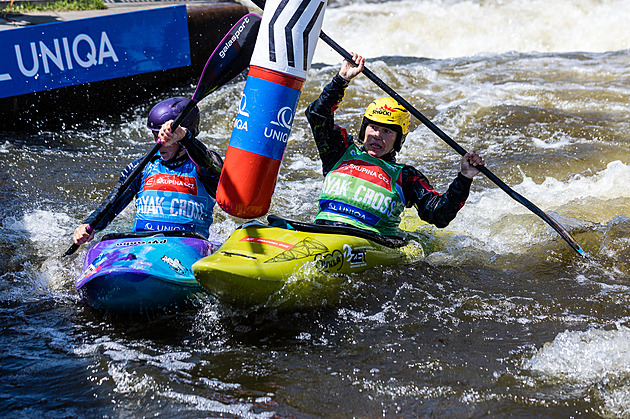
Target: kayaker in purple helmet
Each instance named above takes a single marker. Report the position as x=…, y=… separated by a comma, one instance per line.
x=364, y=186
x=177, y=188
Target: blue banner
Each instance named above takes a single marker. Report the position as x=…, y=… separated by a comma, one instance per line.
x=53, y=55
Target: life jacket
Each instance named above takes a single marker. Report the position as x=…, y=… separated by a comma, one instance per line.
x=173, y=199
x=363, y=191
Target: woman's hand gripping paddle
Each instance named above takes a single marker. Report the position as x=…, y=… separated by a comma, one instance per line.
x=437, y=131
x=519, y=198
x=229, y=59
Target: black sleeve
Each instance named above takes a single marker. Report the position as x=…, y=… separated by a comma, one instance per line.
x=122, y=201
x=209, y=163
x=433, y=207
x=332, y=140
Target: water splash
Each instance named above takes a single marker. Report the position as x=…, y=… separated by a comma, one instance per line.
x=507, y=226
x=594, y=360
x=442, y=29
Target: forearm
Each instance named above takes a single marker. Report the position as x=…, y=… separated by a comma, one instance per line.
x=322, y=109
x=331, y=140
x=435, y=208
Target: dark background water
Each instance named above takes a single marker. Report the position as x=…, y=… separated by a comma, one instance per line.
x=503, y=319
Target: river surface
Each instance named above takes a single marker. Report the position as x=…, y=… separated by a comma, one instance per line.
x=502, y=319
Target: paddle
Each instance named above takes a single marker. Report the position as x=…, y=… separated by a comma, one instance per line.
x=519, y=198
x=483, y=169
x=228, y=60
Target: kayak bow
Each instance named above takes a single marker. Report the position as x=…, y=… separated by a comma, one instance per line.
x=142, y=272
x=288, y=262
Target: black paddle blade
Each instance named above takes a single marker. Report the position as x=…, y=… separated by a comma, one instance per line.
x=230, y=57
x=73, y=248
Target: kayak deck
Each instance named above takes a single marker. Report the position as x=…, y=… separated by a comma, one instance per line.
x=259, y=263
x=142, y=272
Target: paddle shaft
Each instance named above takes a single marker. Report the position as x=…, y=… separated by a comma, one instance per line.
x=516, y=196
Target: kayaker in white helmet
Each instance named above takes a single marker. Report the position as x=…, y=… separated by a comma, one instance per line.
x=177, y=188
x=364, y=186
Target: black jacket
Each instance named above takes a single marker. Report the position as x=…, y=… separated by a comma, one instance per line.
x=208, y=165
x=333, y=140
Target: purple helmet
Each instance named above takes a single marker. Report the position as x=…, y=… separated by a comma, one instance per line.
x=169, y=109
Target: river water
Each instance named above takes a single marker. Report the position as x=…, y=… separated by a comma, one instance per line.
x=502, y=319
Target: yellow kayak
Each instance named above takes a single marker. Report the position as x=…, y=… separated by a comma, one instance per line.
x=295, y=263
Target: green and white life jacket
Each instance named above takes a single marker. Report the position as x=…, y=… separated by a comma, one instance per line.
x=363, y=191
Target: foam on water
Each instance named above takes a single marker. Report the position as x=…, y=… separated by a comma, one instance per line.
x=507, y=226
x=441, y=29
x=45, y=227
x=595, y=359
x=547, y=145
x=41, y=230
x=204, y=404
x=5, y=147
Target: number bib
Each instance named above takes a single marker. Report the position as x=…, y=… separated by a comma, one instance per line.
x=363, y=191
x=173, y=199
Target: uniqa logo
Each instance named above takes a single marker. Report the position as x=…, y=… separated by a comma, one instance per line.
x=62, y=54
x=239, y=123
x=243, y=104
x=284, y=119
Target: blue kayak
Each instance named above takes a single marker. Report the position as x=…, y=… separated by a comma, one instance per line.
x=142, y=272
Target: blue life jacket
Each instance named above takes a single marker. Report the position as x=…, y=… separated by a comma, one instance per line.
x=173, y=199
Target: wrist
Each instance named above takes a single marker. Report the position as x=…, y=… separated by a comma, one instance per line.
x=184, y=134
x=466, y=176
x=187, y=138
x=341, y=80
